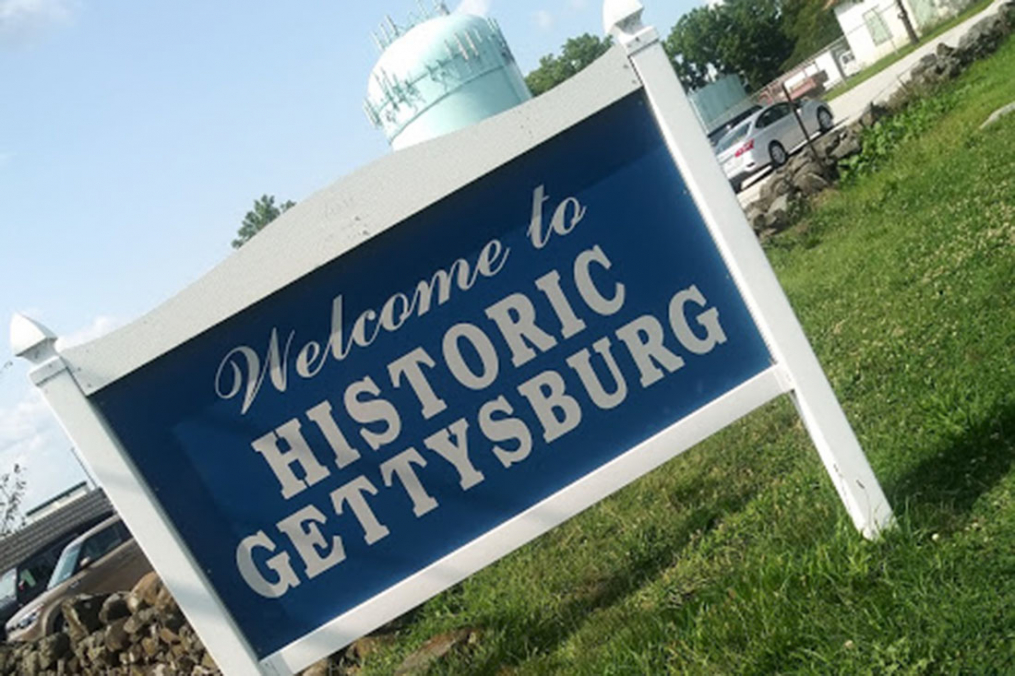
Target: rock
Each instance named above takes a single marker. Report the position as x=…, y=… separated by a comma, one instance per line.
x=81, y=615
x=998, y=114
x=898, y=100
x=363, y=647
x=200, y=670
x=826, y=144
x=29, y=664
x=321, y=668
x=873, y=113
x=151, y=646
x=777, y=216
x=924, y=65
x=164, y=601
x=138, y=621
x=52, y=648
x=804, y=162
x=810, y=183
x=116, y=638
x=756, y=218
x=146, y=591
x=982, y=39
x=776, y=186
x=208, y=662
x=173, y=621
x=847, y=147
x=168, y=636
x=434, y=649
x=114, y=608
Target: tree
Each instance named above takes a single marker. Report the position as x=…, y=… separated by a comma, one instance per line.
x=744, y=37
x=811, y=25
x=576, y=54
x=265, y=211
x=12, y=490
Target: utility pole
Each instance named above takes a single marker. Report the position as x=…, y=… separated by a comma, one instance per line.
x=904, y=15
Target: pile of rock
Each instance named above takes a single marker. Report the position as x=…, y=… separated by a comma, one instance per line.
x=808, y=173
x=946, y=62
x=123, y=634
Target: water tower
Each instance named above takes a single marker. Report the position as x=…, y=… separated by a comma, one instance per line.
x=440, y=73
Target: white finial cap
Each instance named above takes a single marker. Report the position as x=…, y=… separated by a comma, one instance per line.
x=28, y=335
x=621, y=15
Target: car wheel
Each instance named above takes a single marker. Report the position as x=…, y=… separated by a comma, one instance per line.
x=58, y=624
x=778, y=154
x=824, y=119
x=736, y=185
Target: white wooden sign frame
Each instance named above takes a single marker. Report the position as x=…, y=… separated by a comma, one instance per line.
x=361, y=206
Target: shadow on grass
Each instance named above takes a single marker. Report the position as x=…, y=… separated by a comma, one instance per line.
x=942, y=489
x=527, y=636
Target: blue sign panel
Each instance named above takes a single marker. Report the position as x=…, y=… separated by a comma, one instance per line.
x=441, y=378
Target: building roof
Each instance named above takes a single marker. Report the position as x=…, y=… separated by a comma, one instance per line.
x=56, y=498
x=18, y=546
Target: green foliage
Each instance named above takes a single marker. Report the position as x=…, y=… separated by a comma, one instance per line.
x=811, y=25
x=264, y=212
x=737, y=557
x=576, y=54
x=744, y=37
x=12, y=490
x=880, y=141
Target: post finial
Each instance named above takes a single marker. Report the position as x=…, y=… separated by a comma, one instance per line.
x=31, y=340
x=622, y=20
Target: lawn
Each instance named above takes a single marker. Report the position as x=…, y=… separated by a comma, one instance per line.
x=875, y=68
x=737, y=558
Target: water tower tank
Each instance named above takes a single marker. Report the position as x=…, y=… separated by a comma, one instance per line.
x=441, y=73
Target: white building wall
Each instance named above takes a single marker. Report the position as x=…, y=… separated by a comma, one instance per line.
x=858, y=32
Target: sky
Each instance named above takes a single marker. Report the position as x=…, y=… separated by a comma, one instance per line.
x=134, y=136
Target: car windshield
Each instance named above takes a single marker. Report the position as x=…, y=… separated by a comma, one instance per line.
x=65, y=566
x=8, y=590
x=738, y=133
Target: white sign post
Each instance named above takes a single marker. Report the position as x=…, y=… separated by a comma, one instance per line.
x=812, y=394
x=436, y=360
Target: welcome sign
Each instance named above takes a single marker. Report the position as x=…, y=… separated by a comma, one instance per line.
x=308, y=445
x=439, y=379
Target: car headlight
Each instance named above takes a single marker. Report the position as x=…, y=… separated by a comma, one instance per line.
x=30, y=618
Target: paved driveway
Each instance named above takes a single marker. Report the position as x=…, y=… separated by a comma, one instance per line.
x=851, y=105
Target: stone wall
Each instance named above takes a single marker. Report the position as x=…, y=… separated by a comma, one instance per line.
x=136, y=633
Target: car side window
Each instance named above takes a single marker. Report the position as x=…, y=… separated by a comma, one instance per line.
x=100, y=544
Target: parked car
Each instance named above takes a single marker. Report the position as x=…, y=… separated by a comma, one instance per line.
x=768, y=137
x=26, y=579
x=104, y=559
x=716, y=134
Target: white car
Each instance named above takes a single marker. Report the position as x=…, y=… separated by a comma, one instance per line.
x=768, y=137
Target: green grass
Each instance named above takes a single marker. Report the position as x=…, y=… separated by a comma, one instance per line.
x=878, y=66
x=737, y=558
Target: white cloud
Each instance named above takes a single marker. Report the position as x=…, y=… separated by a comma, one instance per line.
x=543, y=19
x=476, y=7
x=99, y=327
x=578, y=4
x=23, y=18
x=31, y=437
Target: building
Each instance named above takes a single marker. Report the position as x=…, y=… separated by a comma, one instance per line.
x=56, y=502
x=442, y=72
x=874, y=28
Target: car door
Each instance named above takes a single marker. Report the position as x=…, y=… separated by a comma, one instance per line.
x=785, y=127
x=102, y=560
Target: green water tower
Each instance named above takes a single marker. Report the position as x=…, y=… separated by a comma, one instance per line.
x=441, y=72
